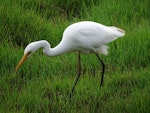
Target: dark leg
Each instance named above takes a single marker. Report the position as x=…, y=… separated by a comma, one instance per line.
x=103, y=68
x=78, y=73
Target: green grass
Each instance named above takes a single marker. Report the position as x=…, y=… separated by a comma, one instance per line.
x=43, y=84
x=128, y=92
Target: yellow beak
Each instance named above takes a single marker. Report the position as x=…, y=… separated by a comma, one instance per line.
x=21, y=61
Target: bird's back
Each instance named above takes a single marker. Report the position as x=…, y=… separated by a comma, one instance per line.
x=90, y=36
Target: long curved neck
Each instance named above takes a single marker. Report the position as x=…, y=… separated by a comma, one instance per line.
x=58, y=50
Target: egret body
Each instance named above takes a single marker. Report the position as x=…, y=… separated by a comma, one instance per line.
x=86, y=37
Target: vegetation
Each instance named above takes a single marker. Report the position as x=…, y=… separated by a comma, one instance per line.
x=43, y=84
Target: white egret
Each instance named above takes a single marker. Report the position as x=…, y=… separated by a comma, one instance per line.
x=85, y=36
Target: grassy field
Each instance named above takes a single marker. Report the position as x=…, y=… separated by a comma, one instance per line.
x=42, y=84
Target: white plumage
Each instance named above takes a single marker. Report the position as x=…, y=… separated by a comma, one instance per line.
x=85, y=36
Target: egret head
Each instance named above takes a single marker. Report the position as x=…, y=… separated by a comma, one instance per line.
x=30, y=49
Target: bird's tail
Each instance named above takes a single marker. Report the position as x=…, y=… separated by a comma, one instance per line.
x=117, y=31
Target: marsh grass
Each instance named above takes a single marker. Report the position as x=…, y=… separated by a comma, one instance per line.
x=43, y=84
x=128, y=91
